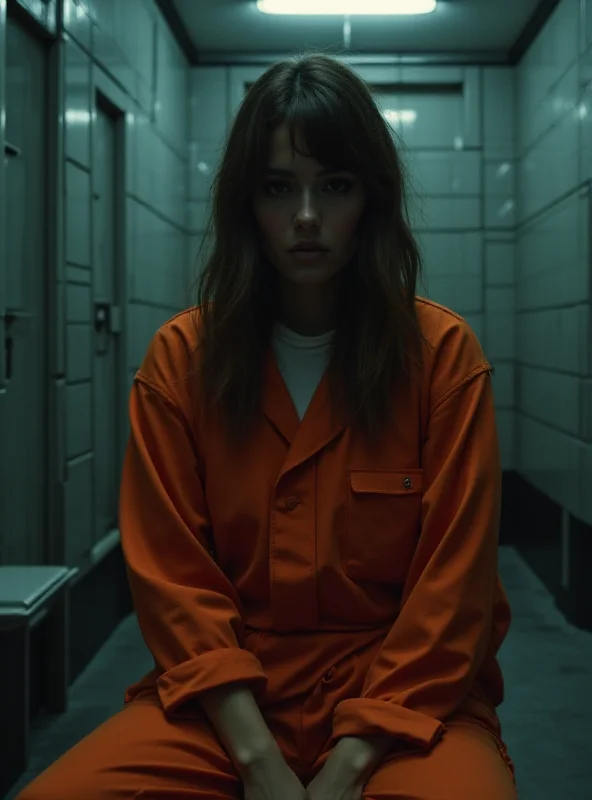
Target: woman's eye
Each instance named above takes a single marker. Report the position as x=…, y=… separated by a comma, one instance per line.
x=275, y=187
x=344, y=184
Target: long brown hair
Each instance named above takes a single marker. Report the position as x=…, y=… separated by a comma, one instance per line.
x=377, y=333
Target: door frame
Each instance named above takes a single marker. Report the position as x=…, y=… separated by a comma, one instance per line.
x=44, y=30
x=57, y=476
x=105, y=90
x=3, y=253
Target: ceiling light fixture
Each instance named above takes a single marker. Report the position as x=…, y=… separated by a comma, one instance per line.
x=347, y=7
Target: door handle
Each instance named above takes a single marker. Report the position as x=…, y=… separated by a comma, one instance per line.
x=10, y=316
x=15, y=319
x=107, y=324
x=11, y=150
x=102, y=317
x=8, y=350
x=107, y=318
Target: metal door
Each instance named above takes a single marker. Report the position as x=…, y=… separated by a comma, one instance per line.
x=107, y=182
x=24, y=429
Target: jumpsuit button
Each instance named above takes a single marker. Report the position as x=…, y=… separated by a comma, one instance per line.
x=407, y=483
x=292, y=503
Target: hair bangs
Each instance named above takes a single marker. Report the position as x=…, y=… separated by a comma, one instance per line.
x=316, y=123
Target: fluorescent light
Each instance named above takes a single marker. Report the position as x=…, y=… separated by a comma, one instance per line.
x=347, y=7
x=404, y=116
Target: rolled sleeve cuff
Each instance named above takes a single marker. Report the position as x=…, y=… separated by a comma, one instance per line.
x=365, y=717
x=208, y=671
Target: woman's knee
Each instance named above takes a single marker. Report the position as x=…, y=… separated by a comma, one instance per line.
x=140, y=753
x=48, y=786
x=467, y=762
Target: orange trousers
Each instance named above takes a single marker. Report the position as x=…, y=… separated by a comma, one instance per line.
x=140, y=753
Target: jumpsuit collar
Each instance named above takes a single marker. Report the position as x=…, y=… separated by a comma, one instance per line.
x=308, y=436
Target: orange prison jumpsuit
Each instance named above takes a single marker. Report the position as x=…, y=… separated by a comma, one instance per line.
x=355, y=592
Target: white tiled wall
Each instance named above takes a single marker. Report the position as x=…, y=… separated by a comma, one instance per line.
x=146, y=68
x=461, y=154
x=127, y=51
x=553, y=267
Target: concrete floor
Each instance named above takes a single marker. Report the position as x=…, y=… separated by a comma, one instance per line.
x=546, y=717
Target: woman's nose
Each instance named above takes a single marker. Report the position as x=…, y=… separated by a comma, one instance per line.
x=307, y=212
x=308, y=219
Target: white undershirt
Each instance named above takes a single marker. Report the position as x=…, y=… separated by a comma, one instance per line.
x=302, y=361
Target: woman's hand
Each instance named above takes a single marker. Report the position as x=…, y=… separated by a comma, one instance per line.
x=272, y=779
x=335, y=783
x=348, y=768
x=330, y=785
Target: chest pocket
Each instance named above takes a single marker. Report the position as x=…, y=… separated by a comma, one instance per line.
x=383, y=524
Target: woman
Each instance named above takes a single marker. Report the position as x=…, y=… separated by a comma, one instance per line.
x=311, y=493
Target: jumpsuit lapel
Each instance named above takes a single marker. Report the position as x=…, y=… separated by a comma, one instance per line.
x=278, y=405
x=318, y=426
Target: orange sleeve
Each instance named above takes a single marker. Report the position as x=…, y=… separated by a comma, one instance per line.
x=188, y=611
x=431, y=655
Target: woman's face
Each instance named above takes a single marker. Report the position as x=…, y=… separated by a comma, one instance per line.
x=297, y=201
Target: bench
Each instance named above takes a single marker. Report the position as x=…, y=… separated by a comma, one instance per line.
x=30, y=595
